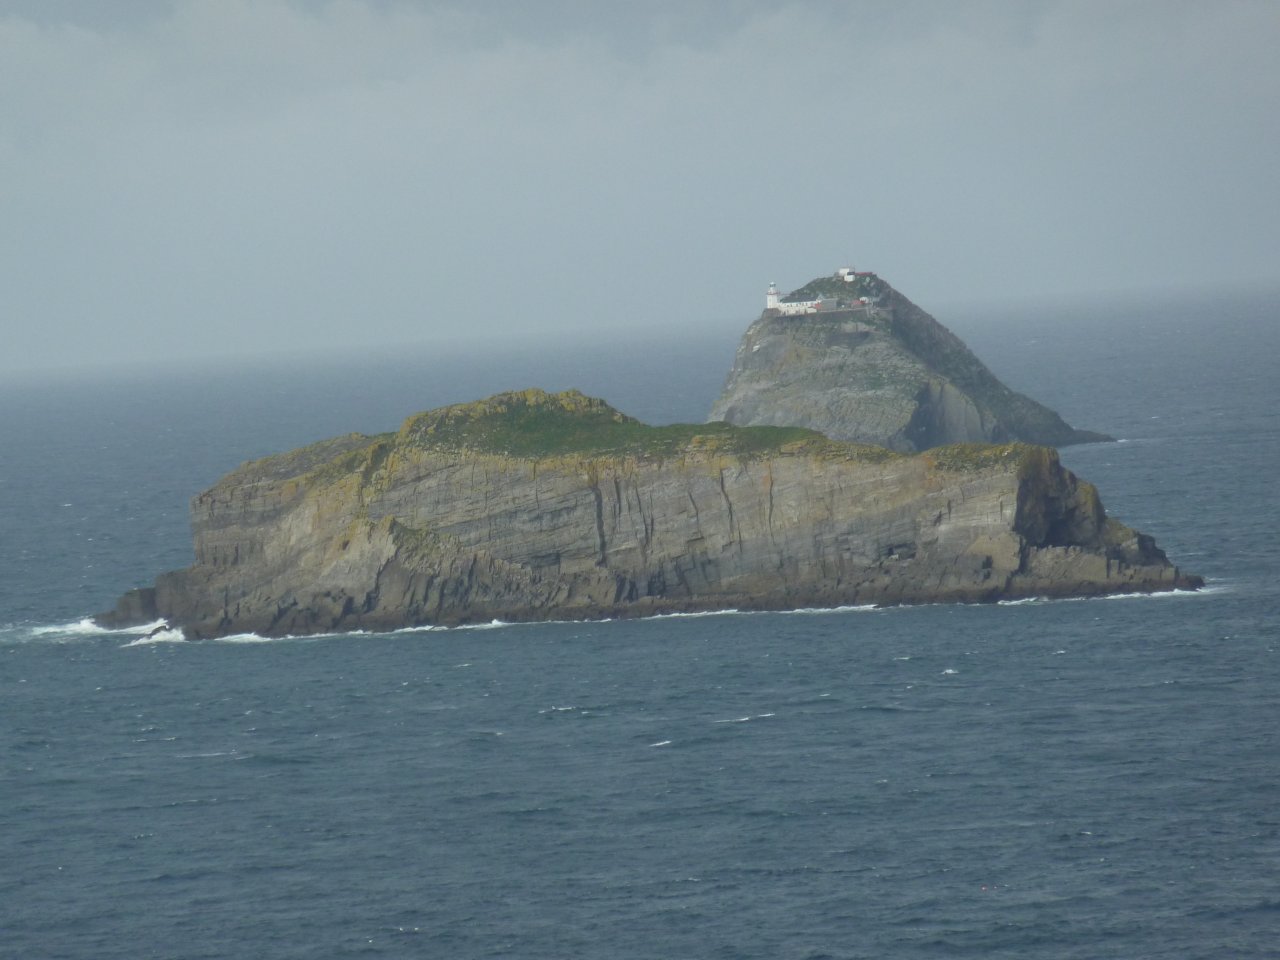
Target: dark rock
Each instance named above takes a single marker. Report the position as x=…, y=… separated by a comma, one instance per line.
x=882, y=372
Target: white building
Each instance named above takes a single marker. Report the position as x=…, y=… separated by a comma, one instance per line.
x=772, y=300
x=789, y=308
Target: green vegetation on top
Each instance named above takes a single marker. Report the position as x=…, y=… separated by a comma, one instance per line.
x=966, y=457
x=838, y=287
x=532, y=423
x=303, y=460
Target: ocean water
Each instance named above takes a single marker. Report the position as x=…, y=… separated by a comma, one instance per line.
x=1070, y=779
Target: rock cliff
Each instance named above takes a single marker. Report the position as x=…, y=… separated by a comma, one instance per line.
x=881, y=371
x=535, y=506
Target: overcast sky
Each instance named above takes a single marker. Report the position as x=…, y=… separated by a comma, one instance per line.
x=219, y=177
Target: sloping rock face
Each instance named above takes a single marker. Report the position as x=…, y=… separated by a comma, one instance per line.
x=537, y=506
x=882, y=372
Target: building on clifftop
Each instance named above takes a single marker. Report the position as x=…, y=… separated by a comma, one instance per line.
x=863, y=291
x=795, y=307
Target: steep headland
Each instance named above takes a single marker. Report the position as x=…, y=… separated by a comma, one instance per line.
x=856, y=360
x=531, y=506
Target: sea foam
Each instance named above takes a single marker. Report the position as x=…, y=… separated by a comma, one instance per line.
x=1136, y=595
x=169, y=635
x=87, y=628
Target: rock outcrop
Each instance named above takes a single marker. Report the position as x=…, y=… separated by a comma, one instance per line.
x=537, y=506
x=880, y=370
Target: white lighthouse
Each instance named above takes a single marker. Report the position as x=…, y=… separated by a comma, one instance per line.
x=771, y=297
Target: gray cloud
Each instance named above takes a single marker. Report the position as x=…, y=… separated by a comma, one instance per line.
x=189, y=178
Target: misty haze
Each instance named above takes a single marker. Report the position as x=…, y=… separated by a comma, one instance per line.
x=639, y=480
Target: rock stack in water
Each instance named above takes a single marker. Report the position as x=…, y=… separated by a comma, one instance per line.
x=856, y=360
x=531, y=505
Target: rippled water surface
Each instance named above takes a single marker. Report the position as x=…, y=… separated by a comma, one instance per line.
x=1049, y=779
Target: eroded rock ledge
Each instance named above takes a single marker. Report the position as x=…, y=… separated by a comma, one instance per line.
x=531, y=506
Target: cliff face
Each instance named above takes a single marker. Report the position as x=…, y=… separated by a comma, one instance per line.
x=534, y=506
x=884, y=372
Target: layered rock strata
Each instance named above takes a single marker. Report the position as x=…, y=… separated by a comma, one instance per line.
x=880, y=370
x=536, y=506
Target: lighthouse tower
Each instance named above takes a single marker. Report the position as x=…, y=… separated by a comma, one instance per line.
x=771, y=297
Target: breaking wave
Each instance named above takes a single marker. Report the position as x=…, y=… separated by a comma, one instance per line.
x=1136, y=595
x=86, y=627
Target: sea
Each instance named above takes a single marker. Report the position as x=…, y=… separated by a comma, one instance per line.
x=1053, y=779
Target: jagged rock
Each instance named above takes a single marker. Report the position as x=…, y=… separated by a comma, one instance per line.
x=537, y=506
x=881, y=371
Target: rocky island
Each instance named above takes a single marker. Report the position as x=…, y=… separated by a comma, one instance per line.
x=851, y=357
x=531, y=506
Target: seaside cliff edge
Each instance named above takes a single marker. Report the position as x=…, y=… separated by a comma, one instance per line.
x=537, y=506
